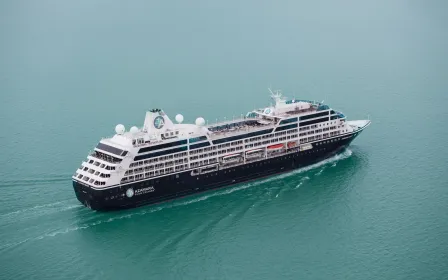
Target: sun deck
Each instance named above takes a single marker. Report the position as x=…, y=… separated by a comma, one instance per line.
x=251, y=124
x=155, y=133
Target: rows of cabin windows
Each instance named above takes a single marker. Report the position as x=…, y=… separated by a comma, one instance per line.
x=208, y=151
x=238, y=137
x=237, y=145
x=273, y=153
x=263, y=162
x=95, y=172
x=215, y=153
x=271, y=141
x=141, y=174
x=161, y=165
x=258, y=142
x=212, y=148
x=101, y=165
x=320, y=130
x=203, y=162
x=310, y=130
x=221, y=146
x=243, y=136
x=277, y=152
x=302, y=128
x=320, y=136
x=153, y=160
x=88, y=179
x=198, y=151
x=260, y=138
x=105, y=157
x=216, y=147
x=208, y=161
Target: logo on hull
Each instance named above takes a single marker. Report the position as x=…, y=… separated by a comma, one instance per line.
x=130, y=192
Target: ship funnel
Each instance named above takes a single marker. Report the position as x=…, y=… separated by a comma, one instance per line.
x=156, y=121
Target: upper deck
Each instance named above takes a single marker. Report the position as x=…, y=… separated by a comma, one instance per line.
x=159, y=129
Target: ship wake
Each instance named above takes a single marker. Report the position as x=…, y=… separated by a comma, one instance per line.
x=344, y=155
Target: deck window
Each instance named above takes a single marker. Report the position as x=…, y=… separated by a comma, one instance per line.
x=291, y=120
x=243, y=136
x=197, y=139
x=160, y=153
x=312, y=116
x=162, y=146
x=285, y=127
x=199, y=145
x=314, y=121
x=109, y=149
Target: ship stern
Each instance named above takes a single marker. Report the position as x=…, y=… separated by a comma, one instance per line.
x=86, y=196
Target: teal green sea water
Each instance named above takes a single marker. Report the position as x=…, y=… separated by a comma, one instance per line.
x=71, y=70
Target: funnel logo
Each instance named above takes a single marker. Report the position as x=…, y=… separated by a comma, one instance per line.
x=159, y=122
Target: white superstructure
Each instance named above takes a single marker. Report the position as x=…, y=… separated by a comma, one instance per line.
x=161, y=147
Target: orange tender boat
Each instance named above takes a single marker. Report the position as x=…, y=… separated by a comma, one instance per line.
x=275, y=147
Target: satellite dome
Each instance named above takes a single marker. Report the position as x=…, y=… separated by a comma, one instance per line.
x=119, y=129
x=200, y=121
x=134, y=130
x=179, y=118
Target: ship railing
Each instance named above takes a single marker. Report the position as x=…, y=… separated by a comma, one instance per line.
x=105, y=157
x=246, y=128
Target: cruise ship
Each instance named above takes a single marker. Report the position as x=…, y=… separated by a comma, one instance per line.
x=164, y=160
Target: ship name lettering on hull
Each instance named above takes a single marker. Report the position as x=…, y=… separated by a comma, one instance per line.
x=144, y=190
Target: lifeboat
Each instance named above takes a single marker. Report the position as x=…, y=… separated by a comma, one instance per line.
x=276, y=147
x=254, y=153
x=291, y=144
x=231, y=158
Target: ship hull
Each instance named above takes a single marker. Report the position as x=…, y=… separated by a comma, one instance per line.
x=155, y=190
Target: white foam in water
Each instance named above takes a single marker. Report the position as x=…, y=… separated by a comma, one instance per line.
x=344, y=155
x=320, y=172
x=38, y=209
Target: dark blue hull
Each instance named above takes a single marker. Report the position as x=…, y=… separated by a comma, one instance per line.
x=177, y=185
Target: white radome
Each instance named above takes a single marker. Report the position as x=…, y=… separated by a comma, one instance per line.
x=119, y=129
x=200, y=121
x=179, y=118
x=134, y=130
